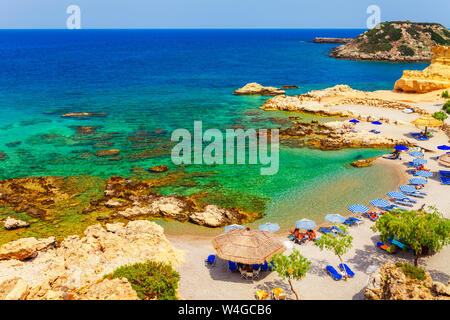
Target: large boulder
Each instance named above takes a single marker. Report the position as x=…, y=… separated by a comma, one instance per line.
x=14, y=289
x=257, y=89
x=25, y=248
x=11, y=223
x=115, y=289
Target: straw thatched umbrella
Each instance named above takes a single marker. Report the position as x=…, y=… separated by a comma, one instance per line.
x=246, y=246
x=445, y=159
x=427, y=121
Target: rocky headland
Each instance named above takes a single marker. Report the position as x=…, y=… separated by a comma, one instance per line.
x=434, y=77
x=41, y=269
x=402, y=41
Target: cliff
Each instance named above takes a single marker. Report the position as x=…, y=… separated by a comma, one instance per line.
x=434, y=77
x=395, y=41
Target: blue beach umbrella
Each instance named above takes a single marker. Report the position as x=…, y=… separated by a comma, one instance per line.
x=228, y=228
x=407, y=188
x=381, y=203
x=419, y=161
x=443, y=147
x=358, y=208
x=416, y=154
x=354, y=121
x=269, y=227
x=401, y=148
x=417, y=181
x=423, y=173
x=305, y=224
x=335, y=218
x=396, y=195
x=378, y=123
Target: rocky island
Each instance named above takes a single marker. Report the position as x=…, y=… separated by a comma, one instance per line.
x=401, y=41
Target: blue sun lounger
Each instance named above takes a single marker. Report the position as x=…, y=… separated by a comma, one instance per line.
x=265, y=266
x=327, y=231
x=415, y=194
x=333, y=272
x=211, y=260
x=232, y=266
x=445, y=180
x=349, y=271
x=405, y=203
x=375, y=131
x=444, y=173
x=398, y=244
x=349, y=222
x=337, y=230
x=355, y=220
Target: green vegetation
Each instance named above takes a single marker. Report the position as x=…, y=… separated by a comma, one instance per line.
x=338, y=245
x=446, y=107
x=291, y=267
x=440, y=115
x=422, y=231
x=445, y=95
x=436, y=37
x=406, y=51
x=150, y=280
x=412, y=271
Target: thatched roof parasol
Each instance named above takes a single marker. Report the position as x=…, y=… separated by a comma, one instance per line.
x=445, y=159
x=427, y=121
x=246, y=246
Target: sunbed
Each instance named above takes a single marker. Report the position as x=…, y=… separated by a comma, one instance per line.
x=398, y=244
x=262, y=294
x=256, y=266
x=265, y=266
x=385, y=247
x=405, y=203
x=415, y=194
x=375, y=131
x=445, y=180
x=349, y=222
x=296, y=239
x=355, y=220
x=326, y=231
x=349, y=271
x=211, y=260
x=339, y=231
x=392, y=207
x=367, y=215
x=444, y=173
x=278, y=294
x=333, y=272
x=232, y=266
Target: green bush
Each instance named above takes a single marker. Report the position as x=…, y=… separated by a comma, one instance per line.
x=440, y=115
x=412, y=271
x=445, y=95
x=446, y=107
x=406, y=51
x=150, y=280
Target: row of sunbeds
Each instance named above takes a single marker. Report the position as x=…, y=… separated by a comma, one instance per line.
x=339, y=275
x=445, y=176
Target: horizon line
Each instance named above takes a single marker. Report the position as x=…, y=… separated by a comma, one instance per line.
x=197, y=28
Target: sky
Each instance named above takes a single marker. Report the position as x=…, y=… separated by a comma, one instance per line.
x=99, y=14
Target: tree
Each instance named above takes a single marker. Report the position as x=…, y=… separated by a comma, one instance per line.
x=339, y=245
x=291, y=267
x=422, y=230
x=440, y=115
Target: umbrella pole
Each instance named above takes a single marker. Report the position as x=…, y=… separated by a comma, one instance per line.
x=426, y=128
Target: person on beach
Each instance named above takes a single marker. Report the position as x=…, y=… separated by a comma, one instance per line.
x=311, y=234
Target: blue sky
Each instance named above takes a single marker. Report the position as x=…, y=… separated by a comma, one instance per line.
x=18, y=14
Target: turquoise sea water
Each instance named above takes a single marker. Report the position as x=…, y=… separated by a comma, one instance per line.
x=150, y=82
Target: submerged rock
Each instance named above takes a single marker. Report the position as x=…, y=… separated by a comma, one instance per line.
x=107, y=153
x=82, y=114
x=13, y=144
x=362, y=163
x=160, y=168
x=3, y=156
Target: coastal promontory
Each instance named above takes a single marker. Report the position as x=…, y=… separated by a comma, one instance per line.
x=402, y=41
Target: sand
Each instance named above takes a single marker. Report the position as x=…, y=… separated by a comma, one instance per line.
x=201, y=282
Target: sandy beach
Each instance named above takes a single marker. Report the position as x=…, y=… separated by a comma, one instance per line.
x=201, y=282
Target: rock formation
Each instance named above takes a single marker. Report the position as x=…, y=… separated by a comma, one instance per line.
x=158, y=169
x=434, y=77
x=257, y=89
x=75, y=269
x=391, y=283
x=395, y=41
x=331, y=40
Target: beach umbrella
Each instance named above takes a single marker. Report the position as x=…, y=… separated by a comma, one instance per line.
x=423, y=173
x=247, y=246
x=354, y=121
x=443, y=147
x=305, y=224
x=426, y=121
x=407, y=188
x=419, y=161
x=401, y=148
x=416, y=154
x=358, y=208
x=445, y=159
x=378, y=123
x=269, y=227
x=380, y=203
x=335, y=218
x=228, y=228
x=396, y=195
x=417, y=181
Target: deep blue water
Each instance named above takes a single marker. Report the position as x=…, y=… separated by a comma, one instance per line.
x=165, y=79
